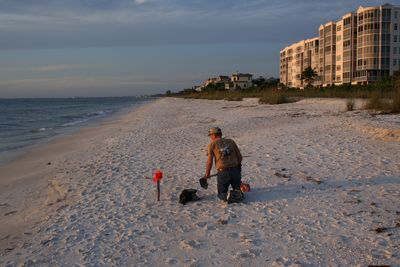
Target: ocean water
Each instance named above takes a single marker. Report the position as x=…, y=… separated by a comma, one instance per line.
x=25, y=122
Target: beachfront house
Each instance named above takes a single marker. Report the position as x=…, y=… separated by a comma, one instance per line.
x=209, y=81
x=222, y=79
x=197, y=88
x=239, y=81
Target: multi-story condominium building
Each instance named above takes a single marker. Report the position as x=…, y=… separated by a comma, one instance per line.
x=327, y=53
x=295, y=59
x=285, y=66
x=377, y=42
x=362, y=47
x=346, y=48
x=311, y=55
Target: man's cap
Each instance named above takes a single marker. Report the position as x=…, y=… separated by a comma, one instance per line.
x=214, y=130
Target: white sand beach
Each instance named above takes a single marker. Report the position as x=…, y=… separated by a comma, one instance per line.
x=325, y=190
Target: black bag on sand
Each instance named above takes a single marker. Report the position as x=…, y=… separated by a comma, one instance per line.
x=235, y=196
x=188, y=195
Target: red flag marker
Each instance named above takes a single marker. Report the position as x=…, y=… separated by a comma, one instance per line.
x=158, y=175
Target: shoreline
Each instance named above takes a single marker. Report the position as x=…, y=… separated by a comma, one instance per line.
x=27, y=178
x=314, y=171
x=16, y=153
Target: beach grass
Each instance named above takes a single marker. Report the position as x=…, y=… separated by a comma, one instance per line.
x=275, y=98
x=382, y=96
x=384, y=104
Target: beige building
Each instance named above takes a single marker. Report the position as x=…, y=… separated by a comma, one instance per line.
x=362, y=47
x=295, y=59
x=377, y=42
x=239, y=81
x=327, y=53
x=346, y=48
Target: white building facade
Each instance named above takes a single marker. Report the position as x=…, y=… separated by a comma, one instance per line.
x=295, y=59
x=362, y=47
x=239, y=81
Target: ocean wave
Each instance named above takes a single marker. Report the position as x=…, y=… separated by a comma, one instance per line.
x=70, y=117
x=75, y=122
x=98, y=113
x=37, y=130
x=87, y=117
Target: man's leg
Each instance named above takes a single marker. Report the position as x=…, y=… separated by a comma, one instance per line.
x=236, y=178
x=223, y=182
x=236, y=195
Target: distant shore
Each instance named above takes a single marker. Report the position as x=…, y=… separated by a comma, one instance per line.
x=324, y=182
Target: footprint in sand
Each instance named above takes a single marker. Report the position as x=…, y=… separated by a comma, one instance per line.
x=201, y=224
x=248, y=253
x=171, y=261
x=10, y=213
x=189, y=244
x=381, y=254
x=233, y=235
x=192, y=263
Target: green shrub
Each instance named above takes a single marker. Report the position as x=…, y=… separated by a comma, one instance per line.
x=378, y=103
x=395, y=108
x=383, y=95
x=350, y=105
x=233, y=98
x=274, y=98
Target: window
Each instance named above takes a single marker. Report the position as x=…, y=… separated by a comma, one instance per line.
x=327, y=49
x=395, y=50
x=394, y=62
x=395, y=38
x=338, y=38
x=386, y=14
x=395, y=26
x=338, y=58
x=395, y=14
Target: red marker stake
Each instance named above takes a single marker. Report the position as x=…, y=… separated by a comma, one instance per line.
x=158, y=175
x=158, y=190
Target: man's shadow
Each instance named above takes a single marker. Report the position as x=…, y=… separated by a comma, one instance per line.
x=269, y=194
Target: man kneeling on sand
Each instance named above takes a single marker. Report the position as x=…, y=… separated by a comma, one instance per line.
x=228, y=161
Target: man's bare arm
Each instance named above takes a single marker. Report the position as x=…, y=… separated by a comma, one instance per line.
x=209, y=164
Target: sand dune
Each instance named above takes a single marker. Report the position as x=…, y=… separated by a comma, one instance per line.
x=325, y=190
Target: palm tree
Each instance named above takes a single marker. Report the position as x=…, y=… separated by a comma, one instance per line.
x=309, y=75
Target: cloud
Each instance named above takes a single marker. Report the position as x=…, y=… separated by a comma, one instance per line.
x=64, y=67
x=56, y=68
x=76, y=23
x=140, y=2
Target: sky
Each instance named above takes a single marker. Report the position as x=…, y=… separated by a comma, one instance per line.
x=68, y=48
